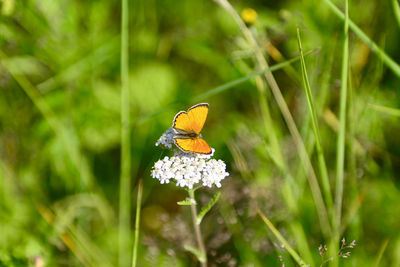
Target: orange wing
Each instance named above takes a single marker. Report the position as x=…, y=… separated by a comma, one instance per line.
x=197, y=145
x=193, y=120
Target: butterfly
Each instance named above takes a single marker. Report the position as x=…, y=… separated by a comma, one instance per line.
x=187, y=126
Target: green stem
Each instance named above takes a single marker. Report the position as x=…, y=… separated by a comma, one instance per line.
x=314, y=122
x=125, y=181
x=199, y=239
x=137, y=223
x=396, y=10
x=342, y=125
x=341, y=138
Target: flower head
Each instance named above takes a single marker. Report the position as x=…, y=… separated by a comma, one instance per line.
x=187, y=169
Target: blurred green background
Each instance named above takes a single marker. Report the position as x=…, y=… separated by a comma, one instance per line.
x=60, y=130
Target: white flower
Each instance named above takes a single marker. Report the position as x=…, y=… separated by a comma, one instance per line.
x=188, y=169
x=166, y=139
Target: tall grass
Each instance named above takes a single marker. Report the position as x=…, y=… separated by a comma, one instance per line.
x=315, y=127
x=342, y=123
x=137, y=223
x=340, y=149
x=301, y=150
x=125, y=178
x=374, y=47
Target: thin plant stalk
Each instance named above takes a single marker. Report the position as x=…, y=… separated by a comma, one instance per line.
x=281, y=239
x=125, y=181
x=352, y=162
x=381, y=252
x=340, y=148
x=342, y=124
x=137, y=223
x=196, y=226
x=396, y=10
x=306, y=163
x=320, y=104
x=389, y=62
x=314, y=122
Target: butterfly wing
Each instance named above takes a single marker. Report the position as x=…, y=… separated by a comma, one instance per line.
x=182, y=122
x=198, y=115
x=196, y=145
x=193, y=120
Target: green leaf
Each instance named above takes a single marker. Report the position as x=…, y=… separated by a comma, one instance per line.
x=200, y=256
x=207, y=207
x=187, y=202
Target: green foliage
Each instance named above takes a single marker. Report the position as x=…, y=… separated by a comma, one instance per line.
x=60, y=130
x=205, y=209
x=186, y=202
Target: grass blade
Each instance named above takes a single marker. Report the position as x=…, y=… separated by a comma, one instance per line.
x=381, y=251
x=374, y=47
x=125, y=181
x=396, y=10
x=340, y=148
x=281, y=239
x=342, y=123
x=137, y=223
x=387, y=110
x=300, y=237
x=314, y=122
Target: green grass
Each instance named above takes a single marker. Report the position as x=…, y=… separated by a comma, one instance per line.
x=314, y=122
x=308, y=128
x=125, y=178
x=137, y=224
x=340, y=156
x=396, y=10
x=374, y=47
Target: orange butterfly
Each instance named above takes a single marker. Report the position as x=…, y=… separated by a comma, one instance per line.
x=187, y=127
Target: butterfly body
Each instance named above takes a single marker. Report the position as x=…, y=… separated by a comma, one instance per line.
x=187, y=126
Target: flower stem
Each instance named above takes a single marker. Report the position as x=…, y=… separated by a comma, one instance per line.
x=199, y=239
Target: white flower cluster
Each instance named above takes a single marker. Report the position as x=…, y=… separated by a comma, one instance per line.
x=188, y=169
